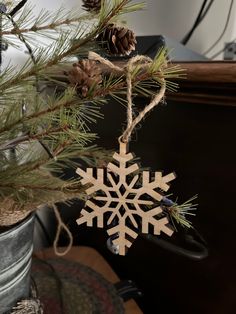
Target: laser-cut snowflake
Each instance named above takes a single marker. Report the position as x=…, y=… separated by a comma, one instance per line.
x=125, y=200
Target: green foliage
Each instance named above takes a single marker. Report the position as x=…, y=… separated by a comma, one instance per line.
x=44, y=123
x=179, y=213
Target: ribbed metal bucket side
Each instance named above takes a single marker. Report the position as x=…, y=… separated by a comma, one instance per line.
x=16, y=246
x=15, y=290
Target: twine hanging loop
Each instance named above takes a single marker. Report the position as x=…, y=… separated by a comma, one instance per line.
x=61, y=226
x=143, y=62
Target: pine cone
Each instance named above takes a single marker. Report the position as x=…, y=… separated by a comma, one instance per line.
x=84, y=75
x=92, y=5
x=118, y=41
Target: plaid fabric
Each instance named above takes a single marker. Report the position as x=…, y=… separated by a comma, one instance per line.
x=66, y=287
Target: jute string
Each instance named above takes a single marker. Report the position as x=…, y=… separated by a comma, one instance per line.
x=143, y=62
x=61, y=226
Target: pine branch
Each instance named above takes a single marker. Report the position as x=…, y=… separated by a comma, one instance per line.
x=103, y=22
x=154, y=72
x=179, y=212
x=25, y=138
x=18, y=7
x=20, y=36
x=66, y=188
x=39, y=114
x=50, y=26
x=29, y=184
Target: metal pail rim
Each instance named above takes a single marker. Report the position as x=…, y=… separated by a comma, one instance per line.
x=17, y=227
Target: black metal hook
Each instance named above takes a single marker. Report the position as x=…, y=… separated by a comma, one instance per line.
x=198, y=252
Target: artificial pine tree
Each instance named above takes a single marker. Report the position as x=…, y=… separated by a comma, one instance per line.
x=42, y=135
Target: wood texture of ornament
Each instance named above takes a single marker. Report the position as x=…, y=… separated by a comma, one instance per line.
x=117, y=176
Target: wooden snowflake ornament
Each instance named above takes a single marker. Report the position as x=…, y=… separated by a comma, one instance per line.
x=125, y=200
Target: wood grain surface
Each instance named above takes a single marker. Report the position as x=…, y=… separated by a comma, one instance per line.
x=205, y=82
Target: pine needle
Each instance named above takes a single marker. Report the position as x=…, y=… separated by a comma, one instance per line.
x=179, y=212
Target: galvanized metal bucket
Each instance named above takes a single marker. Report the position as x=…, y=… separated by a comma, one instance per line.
x=16, y=246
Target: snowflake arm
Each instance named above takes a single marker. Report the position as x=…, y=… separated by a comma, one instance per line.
x=158, y=224
x=123, y=171
x=121, y=231
x=148, y=187
x=88, y=178
x=88, y=217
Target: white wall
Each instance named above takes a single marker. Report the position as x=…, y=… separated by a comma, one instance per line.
x=168, y=17
x=175, y=17
x=18, y=57
x=55, y=4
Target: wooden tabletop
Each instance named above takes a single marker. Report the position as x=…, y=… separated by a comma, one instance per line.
x=93, y=259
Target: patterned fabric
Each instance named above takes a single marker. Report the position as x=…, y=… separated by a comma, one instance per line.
x=66, y=287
